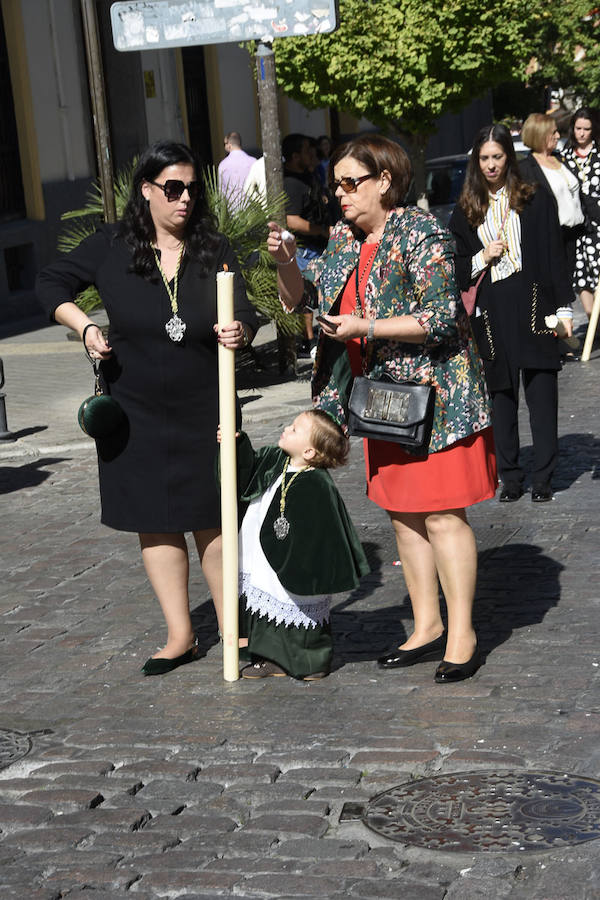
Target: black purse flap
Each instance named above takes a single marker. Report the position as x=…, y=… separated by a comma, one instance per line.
x=406, y=404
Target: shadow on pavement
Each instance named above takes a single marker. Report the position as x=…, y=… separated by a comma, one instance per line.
x=15, y=478
x=577, y=454
x=517, y=585
x=204, y=622
x=33, y=429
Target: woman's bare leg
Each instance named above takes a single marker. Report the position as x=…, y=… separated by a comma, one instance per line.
x=587, y=301
x=418, y=565
x=455, y=553
x=166, y=562
x=210, y=551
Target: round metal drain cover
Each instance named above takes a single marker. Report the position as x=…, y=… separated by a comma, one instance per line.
x=489, y=811
x=13, y=746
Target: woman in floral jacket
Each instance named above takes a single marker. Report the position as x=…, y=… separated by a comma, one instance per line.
x=407, y=314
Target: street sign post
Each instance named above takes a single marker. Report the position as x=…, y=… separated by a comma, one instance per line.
x=156, y=24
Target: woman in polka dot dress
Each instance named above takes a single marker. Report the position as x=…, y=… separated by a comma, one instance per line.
x=582, y=156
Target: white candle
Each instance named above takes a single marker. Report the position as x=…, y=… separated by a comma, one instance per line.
x=229, y=518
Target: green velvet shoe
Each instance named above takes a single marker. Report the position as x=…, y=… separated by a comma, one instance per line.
x=161, y=665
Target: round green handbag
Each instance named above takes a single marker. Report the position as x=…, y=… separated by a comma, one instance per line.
x=99, y=415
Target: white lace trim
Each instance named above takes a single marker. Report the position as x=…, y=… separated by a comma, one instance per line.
x=305, y=611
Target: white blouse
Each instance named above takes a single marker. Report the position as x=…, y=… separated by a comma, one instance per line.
x=565, y=187
x=500, y=223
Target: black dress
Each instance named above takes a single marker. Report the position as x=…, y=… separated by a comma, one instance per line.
x=157, y=471
x=512, y=334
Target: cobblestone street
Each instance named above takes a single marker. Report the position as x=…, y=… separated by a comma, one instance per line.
x=189, y=786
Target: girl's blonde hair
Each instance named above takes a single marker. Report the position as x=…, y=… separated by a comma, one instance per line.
x=330, y=444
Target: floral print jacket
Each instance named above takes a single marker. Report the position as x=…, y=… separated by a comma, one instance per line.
x=412, y=274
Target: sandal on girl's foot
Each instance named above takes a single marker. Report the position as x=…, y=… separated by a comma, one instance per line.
x=160, y=665
x=263, y=669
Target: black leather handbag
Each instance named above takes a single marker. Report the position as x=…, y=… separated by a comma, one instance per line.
x=397, y=411
x=99, y=415
x=401, y=412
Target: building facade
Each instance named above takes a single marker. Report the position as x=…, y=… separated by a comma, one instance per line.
x=47, y=145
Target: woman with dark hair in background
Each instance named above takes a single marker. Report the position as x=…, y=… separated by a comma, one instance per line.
x=385, y=286
x=582, y=155
x=156, y=274
x=506, y=228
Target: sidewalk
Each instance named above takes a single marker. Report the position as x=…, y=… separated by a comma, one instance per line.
x=48, y=376
x=112, y=785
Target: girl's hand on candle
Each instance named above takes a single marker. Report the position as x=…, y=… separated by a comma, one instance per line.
x=233, y=336
x=220, y=436
x=281, y=244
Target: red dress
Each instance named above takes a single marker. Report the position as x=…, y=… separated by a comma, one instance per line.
x=459, y=476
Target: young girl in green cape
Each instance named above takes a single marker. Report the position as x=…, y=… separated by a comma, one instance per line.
x=297, y=546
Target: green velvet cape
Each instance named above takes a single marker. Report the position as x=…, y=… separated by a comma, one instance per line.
x=322, y=553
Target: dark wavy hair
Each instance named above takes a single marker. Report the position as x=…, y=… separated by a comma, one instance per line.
x=474, y=197
x=377, y=153
x=137, y=227
x=584, y=112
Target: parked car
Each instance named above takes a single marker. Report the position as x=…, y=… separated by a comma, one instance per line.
x=443, y=183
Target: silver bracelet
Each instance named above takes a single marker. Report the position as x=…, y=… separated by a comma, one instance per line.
x=277, y=263
x=371, y=330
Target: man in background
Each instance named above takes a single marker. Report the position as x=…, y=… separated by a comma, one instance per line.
x=234, y=169
x=306, y=213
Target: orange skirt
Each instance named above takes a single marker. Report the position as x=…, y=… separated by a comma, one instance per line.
x=454, y=478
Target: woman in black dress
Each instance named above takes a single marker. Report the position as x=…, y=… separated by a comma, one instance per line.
x=508, y=229
x=582, y=155
x=156, y=274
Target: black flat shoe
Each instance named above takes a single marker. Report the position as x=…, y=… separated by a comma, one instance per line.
x=161, y=665
x=541, y=494
x=397, y=659
x=448, y=672
x=510, y=493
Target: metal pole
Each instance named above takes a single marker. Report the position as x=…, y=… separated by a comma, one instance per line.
x=5, y=434
x=99, y=110
x=271, y=144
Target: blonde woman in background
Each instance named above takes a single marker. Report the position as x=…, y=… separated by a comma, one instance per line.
x=545, y=168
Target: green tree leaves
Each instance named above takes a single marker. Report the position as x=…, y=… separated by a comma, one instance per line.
x=402, y=63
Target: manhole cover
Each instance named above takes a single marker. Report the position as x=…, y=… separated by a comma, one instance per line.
x=13, y=746
x=486, y=811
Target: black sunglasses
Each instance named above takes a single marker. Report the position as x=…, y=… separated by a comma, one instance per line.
x=173, y=188
x=349, y=185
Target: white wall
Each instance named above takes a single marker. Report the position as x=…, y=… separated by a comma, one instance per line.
x=312, y=122
x=238, y=95
x=163, y=113
x=60, y=107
